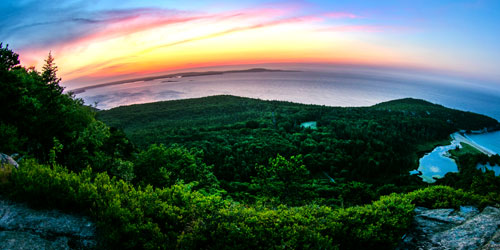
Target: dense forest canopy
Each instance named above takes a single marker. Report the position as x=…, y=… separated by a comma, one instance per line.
x=230, y=172
x=367, y=148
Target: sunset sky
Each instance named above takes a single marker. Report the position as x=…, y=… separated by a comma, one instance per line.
x=94, y=41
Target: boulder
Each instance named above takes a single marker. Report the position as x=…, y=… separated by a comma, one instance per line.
x=6, y=159
x=24, y=228
x=466, y=228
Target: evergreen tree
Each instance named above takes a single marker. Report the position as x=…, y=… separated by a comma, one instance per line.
x=49, y=73
x=8, y=58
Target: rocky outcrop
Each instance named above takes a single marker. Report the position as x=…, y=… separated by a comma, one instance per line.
x=7, y=159
x=24, y=228
x=467, y=228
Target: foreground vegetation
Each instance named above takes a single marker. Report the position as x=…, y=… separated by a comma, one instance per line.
x=178, y=217
x=229, y=172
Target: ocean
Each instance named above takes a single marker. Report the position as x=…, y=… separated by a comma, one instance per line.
x=331, y=88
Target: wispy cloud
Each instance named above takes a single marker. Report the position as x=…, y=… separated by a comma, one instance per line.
x=110, y=41
x=76, y=24
x=241, y=28
x=141, y=21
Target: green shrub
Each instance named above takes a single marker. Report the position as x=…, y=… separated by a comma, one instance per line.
x=163, y=166
x=177, y=217
x=444, y=197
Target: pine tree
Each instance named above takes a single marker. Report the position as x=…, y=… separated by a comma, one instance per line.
x=49, y=73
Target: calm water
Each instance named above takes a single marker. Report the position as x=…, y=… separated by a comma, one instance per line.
x=490, y=141
x=494, y=168
x=436, y=164
x=339, y=88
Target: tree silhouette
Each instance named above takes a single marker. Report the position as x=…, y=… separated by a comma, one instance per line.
x=8, y=58
x=49, y=72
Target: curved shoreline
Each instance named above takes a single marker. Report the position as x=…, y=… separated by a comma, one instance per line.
x=443, y=151
x=463, y=138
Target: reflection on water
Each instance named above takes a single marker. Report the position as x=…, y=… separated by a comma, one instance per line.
x=436, y=164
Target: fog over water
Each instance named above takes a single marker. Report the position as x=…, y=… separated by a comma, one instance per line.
x=334, y=88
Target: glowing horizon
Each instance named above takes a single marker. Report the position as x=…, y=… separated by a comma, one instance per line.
x=103, y=41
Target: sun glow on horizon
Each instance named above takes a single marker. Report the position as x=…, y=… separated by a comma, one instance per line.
x=150, y=40
x=253, y=37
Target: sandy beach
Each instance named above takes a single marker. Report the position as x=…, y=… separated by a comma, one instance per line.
x=460, y=138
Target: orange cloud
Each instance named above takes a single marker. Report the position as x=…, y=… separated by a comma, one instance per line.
x=149, y=41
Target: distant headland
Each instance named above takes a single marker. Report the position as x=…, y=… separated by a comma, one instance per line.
x=178, y=75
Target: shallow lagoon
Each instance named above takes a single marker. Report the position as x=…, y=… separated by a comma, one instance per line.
x=436, y=163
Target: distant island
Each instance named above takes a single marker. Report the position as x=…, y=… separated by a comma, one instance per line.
x=179, y=75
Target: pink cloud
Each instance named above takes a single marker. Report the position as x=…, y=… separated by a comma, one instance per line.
x=256, y=18
x=115, y=24
x=243, y=28
x=121, y=23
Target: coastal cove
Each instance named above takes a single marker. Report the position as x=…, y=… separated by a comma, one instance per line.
x=489, y=141
x=438, y=162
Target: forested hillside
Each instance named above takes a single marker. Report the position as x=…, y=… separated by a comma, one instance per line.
x=226, y=172
x=369, y=149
